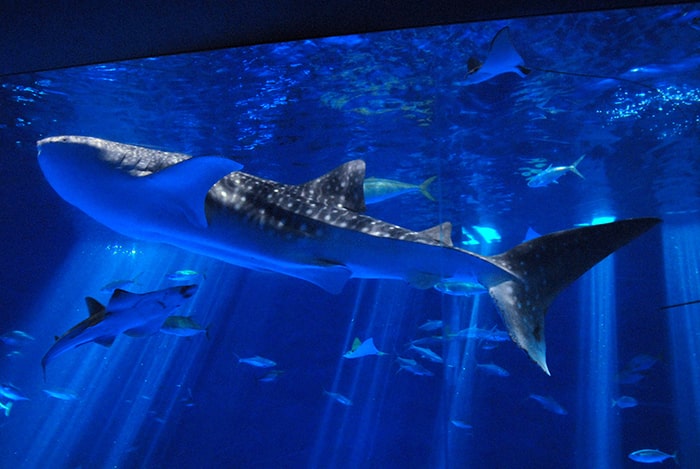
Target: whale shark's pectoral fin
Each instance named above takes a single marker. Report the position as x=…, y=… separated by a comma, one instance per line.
x=329, y=276
x=542, y=267
x=185, y=185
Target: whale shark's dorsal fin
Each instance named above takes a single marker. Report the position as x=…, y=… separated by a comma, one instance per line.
x=342, y=187
x=545, y=266
x=441, y=233
x=188, y=182
x=93, y=306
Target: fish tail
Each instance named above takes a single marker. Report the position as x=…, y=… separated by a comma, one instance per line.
x=534, y=272
x=573, y=168
x=8, y=408
x=424, y=188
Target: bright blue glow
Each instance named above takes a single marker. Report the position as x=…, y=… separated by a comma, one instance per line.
x=468, y=240
x=601, y=220
x=681, y=259
x=598, y=424
x=490, y=235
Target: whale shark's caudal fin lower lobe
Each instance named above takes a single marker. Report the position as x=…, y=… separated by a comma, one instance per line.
x=545, y=266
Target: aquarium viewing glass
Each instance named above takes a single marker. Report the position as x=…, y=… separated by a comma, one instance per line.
x=509, y=130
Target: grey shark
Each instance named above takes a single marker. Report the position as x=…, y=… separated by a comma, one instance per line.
x=134, y=314
x=315, y=231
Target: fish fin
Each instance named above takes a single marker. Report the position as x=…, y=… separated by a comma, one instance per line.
x=522, y=70
x=422, y=280
x=424, y=188
x=93, y=306
x=540, y=268
x=188, y=183
x=503, y=53
x=330, y=276
x=574, y=169
x=441, y=233
x=473, y=65
x=341, y=187
x=105, y=341
x=145, y=329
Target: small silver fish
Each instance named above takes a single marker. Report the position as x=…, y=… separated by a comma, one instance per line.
x=649, y=456
x=625, y=402
x=184, y=275
x=431, y=325
x=551, y=174
x=15, y=338
x=461, y=424
x=182, y=326
x=460, y=288
x=641, y=362
x=120, y=284
x=62, y=394
x=549, y=404
x=493, y=369
x=257, y=361
x=339, y=397
x=379, y=190
x=12, y=392
x=413, y=367
x=426, y=353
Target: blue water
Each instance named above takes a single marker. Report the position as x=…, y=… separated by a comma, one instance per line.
x=397, y=100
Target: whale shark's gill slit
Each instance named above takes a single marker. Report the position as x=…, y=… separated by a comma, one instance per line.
x=546, y=265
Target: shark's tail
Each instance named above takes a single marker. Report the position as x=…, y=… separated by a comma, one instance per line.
x=573, y=168
x=424, y=188
x=544, y=266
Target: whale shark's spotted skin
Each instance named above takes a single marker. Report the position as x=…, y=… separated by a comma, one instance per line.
x=315, y=231
x=336, y=199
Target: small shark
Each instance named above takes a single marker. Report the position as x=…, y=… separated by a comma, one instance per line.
x=502, y=58
x=379, y=190
x=315, y=231
x=134, y=314
x=551, y=174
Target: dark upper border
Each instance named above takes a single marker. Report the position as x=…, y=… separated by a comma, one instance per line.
x=37, y=35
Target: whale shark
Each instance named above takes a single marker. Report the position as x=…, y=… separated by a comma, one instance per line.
x=134, y=314
x=315, y=231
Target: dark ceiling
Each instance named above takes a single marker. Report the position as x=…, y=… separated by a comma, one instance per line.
x=46, y=35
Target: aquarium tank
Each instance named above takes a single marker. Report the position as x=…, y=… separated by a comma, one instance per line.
x=338, y=251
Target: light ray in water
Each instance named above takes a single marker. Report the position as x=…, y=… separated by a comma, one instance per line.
x=597, y=423
x=681, y=258
x=125, y=404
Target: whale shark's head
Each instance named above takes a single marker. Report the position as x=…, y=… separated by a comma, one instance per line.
x=129, y=188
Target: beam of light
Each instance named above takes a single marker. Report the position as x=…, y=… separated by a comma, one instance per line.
x=681, y=261
x=348, y=442
x=137, y=383
x=459, y=384
x=598, y=427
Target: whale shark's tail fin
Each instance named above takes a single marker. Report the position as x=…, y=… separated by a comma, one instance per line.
x=546, y=265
